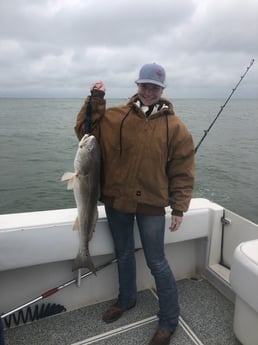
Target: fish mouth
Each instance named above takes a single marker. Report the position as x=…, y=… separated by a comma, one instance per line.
x=86, y=140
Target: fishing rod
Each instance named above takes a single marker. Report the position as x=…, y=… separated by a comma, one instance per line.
x=39, y=313
x=206, y=131
x=43, y=311
x=19, y=315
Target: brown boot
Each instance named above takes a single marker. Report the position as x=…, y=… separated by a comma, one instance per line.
x=114, y=312
x=161, y=337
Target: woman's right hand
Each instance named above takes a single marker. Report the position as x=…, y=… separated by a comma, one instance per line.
x=99, y=86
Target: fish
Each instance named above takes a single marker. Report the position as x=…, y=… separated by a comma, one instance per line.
x=85, y=182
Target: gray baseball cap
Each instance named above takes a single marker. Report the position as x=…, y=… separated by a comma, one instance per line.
x=152, y=73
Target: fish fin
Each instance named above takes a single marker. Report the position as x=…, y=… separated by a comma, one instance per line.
x=84, y=261
x=70, y=177
x=76, y=225
x=67, y=176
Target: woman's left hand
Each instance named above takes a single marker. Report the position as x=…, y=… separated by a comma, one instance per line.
x=175, y=222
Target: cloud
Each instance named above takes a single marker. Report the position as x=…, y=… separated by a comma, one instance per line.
x=58, y=48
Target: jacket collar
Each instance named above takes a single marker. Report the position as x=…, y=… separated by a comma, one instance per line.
x=162, y=106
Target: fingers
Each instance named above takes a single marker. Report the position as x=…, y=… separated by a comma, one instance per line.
x=99, y=86
x=175, y=223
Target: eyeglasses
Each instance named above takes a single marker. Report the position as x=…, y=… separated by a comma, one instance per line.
x=149, y=87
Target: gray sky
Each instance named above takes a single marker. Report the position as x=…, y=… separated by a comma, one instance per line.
x=58, y=48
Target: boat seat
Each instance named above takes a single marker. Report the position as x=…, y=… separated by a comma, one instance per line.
x=244, y=280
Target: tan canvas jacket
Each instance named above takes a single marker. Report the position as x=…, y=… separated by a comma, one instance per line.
x=146, y=162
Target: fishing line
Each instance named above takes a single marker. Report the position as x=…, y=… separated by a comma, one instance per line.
x=88, y=118
x=223, y=220
x=206, y=131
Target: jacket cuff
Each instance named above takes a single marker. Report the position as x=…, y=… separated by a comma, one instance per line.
x=97, y=93
x=177, y=213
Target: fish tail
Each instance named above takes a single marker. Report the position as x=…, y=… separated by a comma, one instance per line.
x=84, y=261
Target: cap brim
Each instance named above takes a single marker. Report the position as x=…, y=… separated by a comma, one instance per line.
x=150, y=81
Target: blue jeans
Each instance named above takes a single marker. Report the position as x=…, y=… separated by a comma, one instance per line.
x=151, y=230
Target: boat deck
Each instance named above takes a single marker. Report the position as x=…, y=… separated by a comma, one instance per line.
x=206, y=318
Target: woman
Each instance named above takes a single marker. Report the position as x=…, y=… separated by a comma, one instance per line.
x=147, y=164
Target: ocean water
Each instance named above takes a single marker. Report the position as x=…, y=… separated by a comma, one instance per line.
x=38, y=144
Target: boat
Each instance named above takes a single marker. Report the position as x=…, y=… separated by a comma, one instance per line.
x=214, y=257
